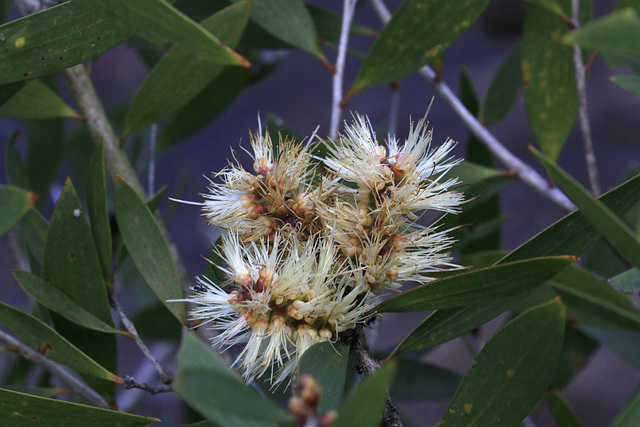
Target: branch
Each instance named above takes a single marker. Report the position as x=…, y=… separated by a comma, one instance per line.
x=348, y=9
x=128, y=324
x=55, y=368
x=130, y=383
x=367, y=366
x=525, y=172
x=583, y=113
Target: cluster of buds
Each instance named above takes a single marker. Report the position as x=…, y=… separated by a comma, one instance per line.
x=306, y=253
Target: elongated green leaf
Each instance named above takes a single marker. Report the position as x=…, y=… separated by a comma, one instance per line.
x=20, y=409
x=56, y=300
x=504, y=88
x=365, y=405
x=549, y=78
x=327, y=363
x=37, y=391
x=15, y=170
x=99, y=211
x=14, y=204
x=328, y=24
x=8, y=90
x=577, y=349
x=147, y=247
x=629, y=281
x=417, y=33
x=484, y=285
x=563, y=413
x=159, y=22
x=601, y=218
x=48, y=342
x=630, y=83
x=182, y=73
x=617, y=33
x=511, y=372
x=573, y=234
x=418, y=381
x=36, y=101
x=552, y=6
x=206, y=384
x=630, y=414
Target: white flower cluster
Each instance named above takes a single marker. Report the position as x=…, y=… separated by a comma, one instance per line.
x=306, y=252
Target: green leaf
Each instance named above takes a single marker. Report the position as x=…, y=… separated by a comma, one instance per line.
x=328, y=24
x=182, y=73
x=549, y=79
x=45, y=152
x=601, y=218
x=48, y=342
x=629, y=281
x=552, y=6
x=577, y=349
x=28, y=50
x=36, y=101
x=99, y=211
x=418, y=381
x=20, y=409
x=630, y=83
x=288, y=20
x=618, y=33
x=417, y=33
x=504, y=88
x=159, y=22
x=511, y=372
x=630, y=414
x=327, y=363
x=365, y=405
x=594, y=302
x=573, y=234
x=15, y=170
x=55, y=299
x=484, y=285
x=625, y=343
x=209, y=386
x=14, y=204
x=8, y=90
x=563, y=413
x=147, y=247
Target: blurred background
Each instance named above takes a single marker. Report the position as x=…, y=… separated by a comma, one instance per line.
x=295, y=90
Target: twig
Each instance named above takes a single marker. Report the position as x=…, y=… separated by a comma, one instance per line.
x=367, y=366
x=56, y=369
x=151, y=175
x=394, y=109
x=128, y=324
x=583, y=114
x=85, y=96
x=130, y=383
x=526, y=173
x=348, y=9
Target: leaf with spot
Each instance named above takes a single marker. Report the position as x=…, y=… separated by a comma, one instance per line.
x=511, y=372
x=50, y=343
x=147, y=247
x=36, y=101
x=14, y=204
x=20, y=409
x=418, y=32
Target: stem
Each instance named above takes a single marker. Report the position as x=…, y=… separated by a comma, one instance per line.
x=55, y=368
x=525, y=172
x=368, y=365
x=128, y=324
x=130, y=383
x=151, y=176
x=583, y=114
x=348, y=9
x=394, y=109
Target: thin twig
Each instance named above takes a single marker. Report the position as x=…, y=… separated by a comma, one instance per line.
x=151, y=176
x=348, y=10
x=583, y=114
x=55, y=368
x=130, y=383
x=525, y=172
x=128, y=324
x=394, y=109
x=367, y=366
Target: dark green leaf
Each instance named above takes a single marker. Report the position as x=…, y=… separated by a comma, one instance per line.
x=573, y=234
x=511, y=372
x=15, y=170
x=55, y=299
x=36, y=101
x=209, y=386
x=99, y=211
x=327, y=363
x=147, y=247
x=601, y=218
x=21, y=409
x=484, y=285
x=625, y=343
x=37, y=391
x=577, y=349
x=159, y=22
x=629, y=281
x=211, y=270
x=549, y=78
x=617, y=33
x=182, y=73
x=14, y=204
x=328, y=24
x=417, y=33
x=630, y=414
x=552, y=6
x=8, y=90
x=630, y=83
x=157, y=322
x=48, y=342
x=563, y=413
x=365, y=405
x=504, y=88
x=418, y=381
